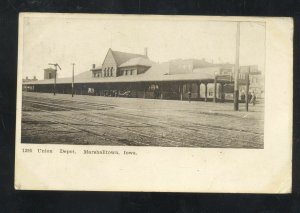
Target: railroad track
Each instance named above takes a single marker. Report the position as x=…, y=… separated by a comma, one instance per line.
x=214, y=127
x=60, y=119
x=95, y=106
x=82, y=128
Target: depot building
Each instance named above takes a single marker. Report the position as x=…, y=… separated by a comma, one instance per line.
x=135, y=75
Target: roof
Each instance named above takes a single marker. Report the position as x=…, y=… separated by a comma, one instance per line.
x=196, y=62
x=210, y=70
x=49, y=69
x=122, y=57
x=96, y=68
x=138, y=61
x=138, y=78
x=86, y=74
x=158, y=72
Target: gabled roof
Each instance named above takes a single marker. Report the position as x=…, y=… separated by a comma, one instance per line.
x=138, y=61
x=49, y=69
x=122, y=57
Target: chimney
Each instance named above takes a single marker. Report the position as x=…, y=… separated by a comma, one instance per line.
x=94, y=66
x=146, y=51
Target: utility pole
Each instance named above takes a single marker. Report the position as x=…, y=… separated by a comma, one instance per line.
x=55, y=74
x=247, y=88
x=73, y=64
x=215, y=88
x=236, y=69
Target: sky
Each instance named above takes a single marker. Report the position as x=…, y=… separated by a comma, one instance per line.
x=85, y=41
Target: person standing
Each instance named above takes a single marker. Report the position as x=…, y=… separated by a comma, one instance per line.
x=249, y=97
x=243, y=96
x=253, y=99
x=190, y=95
x=222, y=97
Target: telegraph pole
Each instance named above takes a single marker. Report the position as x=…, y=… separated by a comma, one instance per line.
x=236, y=69
x=73, y=64
x=55, y=73
x=247, y=88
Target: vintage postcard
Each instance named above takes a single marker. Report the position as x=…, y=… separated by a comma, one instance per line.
x=154, y=103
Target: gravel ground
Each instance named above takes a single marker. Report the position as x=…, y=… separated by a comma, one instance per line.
x=97, y=120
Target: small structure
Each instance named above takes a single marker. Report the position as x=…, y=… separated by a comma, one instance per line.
x=49, y=73
x=26, y=87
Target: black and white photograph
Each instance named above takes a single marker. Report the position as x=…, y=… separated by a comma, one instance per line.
x=164, y=103
x=120, y=82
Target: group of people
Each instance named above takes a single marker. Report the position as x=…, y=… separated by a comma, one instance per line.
x=251, y=98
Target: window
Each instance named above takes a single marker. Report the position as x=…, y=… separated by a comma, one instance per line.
x=50, y=75
x=111, y=72
x=125, y=72
x=131, y=71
